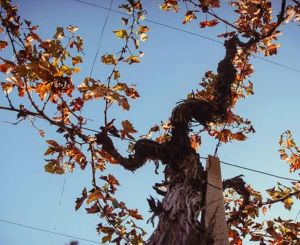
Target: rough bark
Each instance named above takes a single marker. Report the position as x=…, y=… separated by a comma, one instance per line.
x=179, y=212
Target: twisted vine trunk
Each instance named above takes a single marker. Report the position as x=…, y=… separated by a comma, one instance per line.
x=179, y=212
x=179, y=220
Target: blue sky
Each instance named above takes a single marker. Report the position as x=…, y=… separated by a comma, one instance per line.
x=172, y=66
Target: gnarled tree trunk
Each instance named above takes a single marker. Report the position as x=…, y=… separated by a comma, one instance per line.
x=183, y=201
x=179, y=217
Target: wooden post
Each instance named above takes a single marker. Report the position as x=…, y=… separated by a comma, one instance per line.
x=215, y=221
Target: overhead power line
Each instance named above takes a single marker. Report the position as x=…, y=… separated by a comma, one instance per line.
x=256, y=171
x=50, y=232
x=101, y=36
x=188, y=32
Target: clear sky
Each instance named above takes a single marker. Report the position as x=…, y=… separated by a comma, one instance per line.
x=172, y=66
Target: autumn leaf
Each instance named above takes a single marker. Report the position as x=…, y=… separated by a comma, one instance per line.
x=3, y=44
x=107, y=157
x=53, y=143
x=288, y=203
x=127, y=129
x=189, y=16
x=121, y=33
x=210, y=3
x=111, y=179
x=93, y=209
x=76, y=60
x=116, y=75
x=59, y=33
x=124, y=103
x=170, y=4
x=238, y=136
x=143, y=37
x=79, y=201
x=272, y=49
x=95, y=195
x=135, y=214
x=107, y=238
x=143, y=29
x=195, y=141
x=53, y=167
x=209, y=23
x=132, y=59
x=72, y=29
x=6, y=67
x=109, y=59
x=7, y=87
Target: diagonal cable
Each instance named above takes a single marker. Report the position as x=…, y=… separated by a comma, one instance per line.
x=101, y=36
x=190, y=33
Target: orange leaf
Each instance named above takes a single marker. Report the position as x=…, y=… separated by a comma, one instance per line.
x=112, y=180
x=195, y=141
x=95, y=195
x=209, y=23
x=189, y=16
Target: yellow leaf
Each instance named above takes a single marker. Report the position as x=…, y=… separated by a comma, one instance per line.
x=132, y=59
x=116, y=75
x=121, y=33
x=288, y=203
x=109, y=59
x=144, y=37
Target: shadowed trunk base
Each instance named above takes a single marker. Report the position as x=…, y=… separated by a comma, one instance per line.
x=179, y=219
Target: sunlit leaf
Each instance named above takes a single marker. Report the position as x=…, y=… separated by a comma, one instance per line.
x=132, y=59
x=109, y=59
x=189, y=16
x=121, y=33
x=7, y=87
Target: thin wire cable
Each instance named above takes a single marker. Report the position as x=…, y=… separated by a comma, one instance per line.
x=297, y=216
x=60, y=202
x=190, y=33
x=50, y=232
x=101, y=37
x=256, y=171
